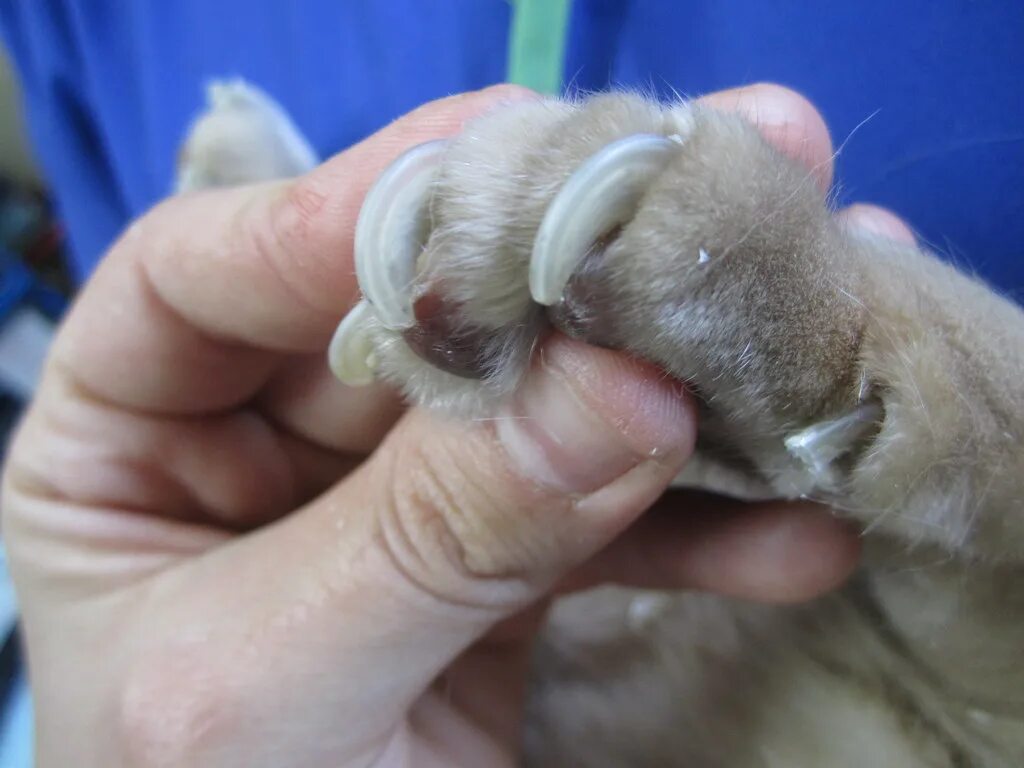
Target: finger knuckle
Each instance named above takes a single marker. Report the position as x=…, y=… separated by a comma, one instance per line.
x=174, y=707
x=299, y=240
x=448, y=529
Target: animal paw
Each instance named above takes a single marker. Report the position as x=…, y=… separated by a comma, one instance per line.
x=242, y=136
x=678, y=234
x=675, y=233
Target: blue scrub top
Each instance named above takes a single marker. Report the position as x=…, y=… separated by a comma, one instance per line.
x=111, y=86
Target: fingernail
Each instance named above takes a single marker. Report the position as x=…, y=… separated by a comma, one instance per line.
x=873, y=220
x=586, y=416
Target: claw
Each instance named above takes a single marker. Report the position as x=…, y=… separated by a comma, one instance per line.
x=392, y=227
x=601, y=194
x=350, y=355
x=818, y=446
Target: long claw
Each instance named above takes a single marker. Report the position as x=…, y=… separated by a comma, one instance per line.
x=601, y=194
x=392, y=226
x=350, y=355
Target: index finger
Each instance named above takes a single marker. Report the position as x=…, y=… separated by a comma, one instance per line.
x=192, y=307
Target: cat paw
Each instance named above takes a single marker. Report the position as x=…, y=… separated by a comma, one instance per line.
x=675, y=233
x=241, y=136
x=850, y=368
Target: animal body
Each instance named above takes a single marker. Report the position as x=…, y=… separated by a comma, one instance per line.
x=829, y=364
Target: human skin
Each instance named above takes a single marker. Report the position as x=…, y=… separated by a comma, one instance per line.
x=224, y=557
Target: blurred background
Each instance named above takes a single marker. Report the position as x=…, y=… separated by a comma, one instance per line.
x=33, y=280
x=16, y=162
x=33, y=287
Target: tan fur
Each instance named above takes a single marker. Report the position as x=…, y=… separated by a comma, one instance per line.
x=787, y=321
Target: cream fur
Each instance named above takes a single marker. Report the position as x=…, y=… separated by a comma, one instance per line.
x=734, y=277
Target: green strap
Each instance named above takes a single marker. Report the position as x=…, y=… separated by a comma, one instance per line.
x=536, y=49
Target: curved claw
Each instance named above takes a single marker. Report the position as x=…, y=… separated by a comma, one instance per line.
x=600, y=194
x=392, y=226
x=350, y=355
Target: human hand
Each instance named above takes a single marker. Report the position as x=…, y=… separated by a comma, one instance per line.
x=224, y=557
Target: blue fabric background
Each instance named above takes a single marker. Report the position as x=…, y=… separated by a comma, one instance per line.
x=111, y=86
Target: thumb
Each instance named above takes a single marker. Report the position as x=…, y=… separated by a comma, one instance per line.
x=362, y=598
x=491, y=513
